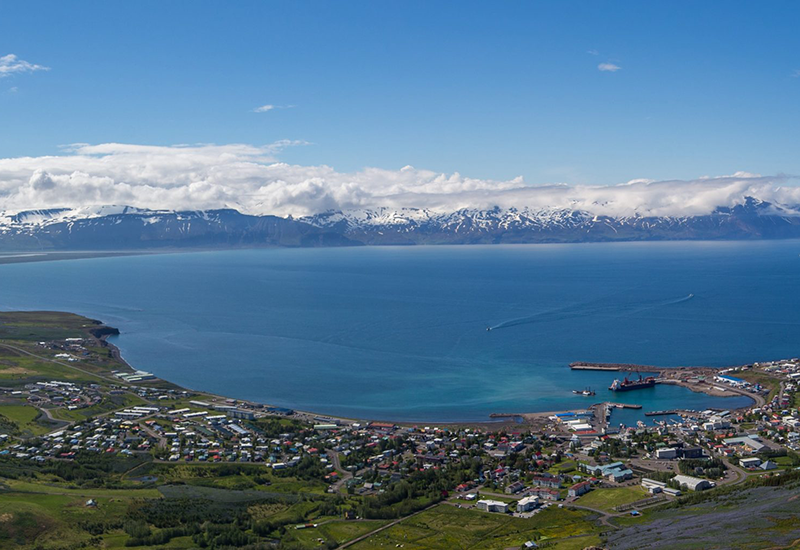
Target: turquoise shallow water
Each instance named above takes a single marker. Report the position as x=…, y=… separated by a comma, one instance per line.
x=400, y=333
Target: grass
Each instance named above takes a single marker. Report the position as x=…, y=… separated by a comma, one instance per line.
x=447, y=527
x=24, y=416
x=562, y=468
x=50, y=520
x=43, y=325
x=608, y=499
x=205, y=475
x=334, y=531
x=53, y=489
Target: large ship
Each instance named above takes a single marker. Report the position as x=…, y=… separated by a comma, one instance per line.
x=627, y=385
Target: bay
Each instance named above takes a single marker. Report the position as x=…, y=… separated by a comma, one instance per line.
x=401, y=332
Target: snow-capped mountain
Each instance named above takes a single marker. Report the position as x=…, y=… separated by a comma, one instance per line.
x=751, y=220
x=125, y=227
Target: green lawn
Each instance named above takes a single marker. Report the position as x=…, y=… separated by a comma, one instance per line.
x=562, y=467
x=335, y=531
x=447, y=527
x=51, y=520
x=607, y=499
x=25, y=417
x=42, y=325
x=54, y=489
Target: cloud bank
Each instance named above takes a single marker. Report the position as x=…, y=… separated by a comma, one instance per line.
x=252, y=180
x=11, y=64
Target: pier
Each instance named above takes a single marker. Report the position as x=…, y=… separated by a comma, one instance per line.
x=583, y=365
x=624, y=406
x=661, y=413
x=687, y=412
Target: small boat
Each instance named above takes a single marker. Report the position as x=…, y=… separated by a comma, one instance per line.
x=587, y=392
x=488, y=329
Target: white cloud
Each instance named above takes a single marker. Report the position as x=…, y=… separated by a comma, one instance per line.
x=267, y=108
x=252, y=180
x=608, y=67
x=11, y=64
x=593, y=52
x=13, y=90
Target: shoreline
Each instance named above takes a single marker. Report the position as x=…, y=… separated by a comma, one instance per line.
x=498, y=420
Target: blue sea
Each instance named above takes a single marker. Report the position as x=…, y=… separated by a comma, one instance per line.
x=400, y=332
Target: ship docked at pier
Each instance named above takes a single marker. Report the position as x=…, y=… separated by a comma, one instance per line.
x=627, y=384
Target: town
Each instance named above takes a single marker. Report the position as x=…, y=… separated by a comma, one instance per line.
x=369, y=481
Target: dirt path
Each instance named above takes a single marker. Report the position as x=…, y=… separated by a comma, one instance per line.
x=387, y=526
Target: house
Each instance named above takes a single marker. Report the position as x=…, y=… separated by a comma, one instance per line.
x=527, y=504
x=579, y=489
x=551, y=481
x=545, y=493
x=693, y=483
x=492, y=506
x=515, y=487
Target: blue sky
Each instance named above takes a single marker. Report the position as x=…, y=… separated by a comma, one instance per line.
x=490, y=89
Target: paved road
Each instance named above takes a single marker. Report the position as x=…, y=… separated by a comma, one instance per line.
x=337, y=466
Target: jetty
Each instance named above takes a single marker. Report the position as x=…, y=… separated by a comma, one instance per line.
x=624, y=405
x=687, y=412
x=661, y=413
x=583, y=365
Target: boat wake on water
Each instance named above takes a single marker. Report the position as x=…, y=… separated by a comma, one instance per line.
x=584, y=310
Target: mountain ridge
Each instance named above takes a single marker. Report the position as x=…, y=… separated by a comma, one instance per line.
x=127, y=227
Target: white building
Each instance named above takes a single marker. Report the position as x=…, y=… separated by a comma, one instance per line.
x=750, y=462
x=527, y=504
x=492, y=506
x=666, y=454
x=693, y=483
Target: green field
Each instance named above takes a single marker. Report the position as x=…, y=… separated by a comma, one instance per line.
x=447, y=527
x=43, y=325
x=247, y=477
x=607, y=499
x=334, y=531
x=24, y=416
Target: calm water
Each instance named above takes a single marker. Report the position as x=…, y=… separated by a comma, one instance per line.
x=401, y=333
